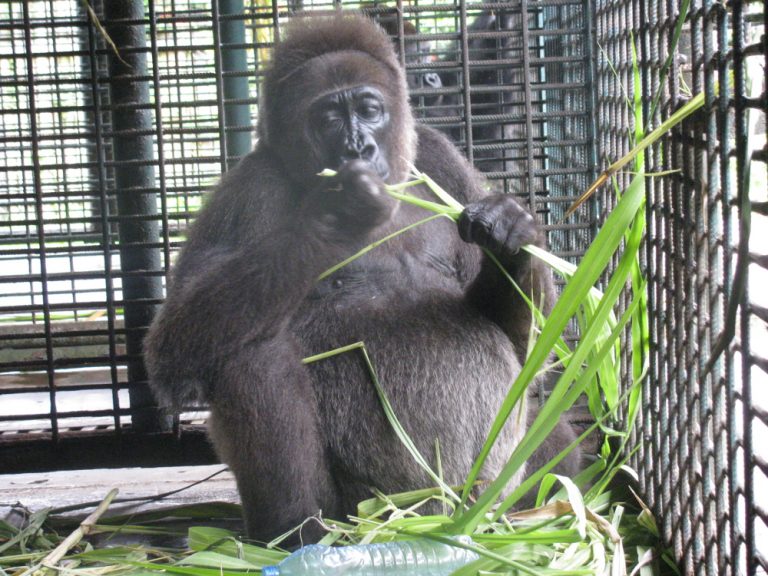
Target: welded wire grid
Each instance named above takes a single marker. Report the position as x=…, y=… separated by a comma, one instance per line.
x=112, y=129
x=70, y=361
x=704, y=426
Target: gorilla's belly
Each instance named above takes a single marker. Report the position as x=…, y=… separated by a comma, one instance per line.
x=432, y=356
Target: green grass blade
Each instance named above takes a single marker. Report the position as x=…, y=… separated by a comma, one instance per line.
x=637, y=102
x=373, y=507
x=184, y=570
x=562, y=397
x=207, y=559
x=684, y=6
x=208, y=538
x=534, y=478
x=438, y=191
x=28, y=534
x=452, y=212
x=681, y=114
x=593, y=264
x=542, y=426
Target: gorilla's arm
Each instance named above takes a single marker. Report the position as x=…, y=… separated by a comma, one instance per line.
x=241, y=295
x=498, y=223
x=227, y=295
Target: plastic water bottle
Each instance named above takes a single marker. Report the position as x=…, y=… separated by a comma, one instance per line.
x=406, y=558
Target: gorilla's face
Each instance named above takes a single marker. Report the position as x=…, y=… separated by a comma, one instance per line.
x=419, y=80
x=331, y=98
x=350, y=124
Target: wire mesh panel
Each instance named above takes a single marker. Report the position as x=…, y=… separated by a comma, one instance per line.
x=111, y=132
x=118, y=116
x=704, y=410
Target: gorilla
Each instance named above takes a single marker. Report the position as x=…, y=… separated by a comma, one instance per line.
x=417, y=53
x=496, y=91
x=493, y=92
x=445, y=331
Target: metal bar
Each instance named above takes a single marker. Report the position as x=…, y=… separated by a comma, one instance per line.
x=742, y=189
x=223, y=142
x=234, y=67
x=530, y=183
x=722, y=375
x=40, y=220
x=160, y=132
x=104, y=220
x=470, y=153
x=590, y=73
x=134, y=167
x=715, y=225
x=275, y=15
x=401, y=33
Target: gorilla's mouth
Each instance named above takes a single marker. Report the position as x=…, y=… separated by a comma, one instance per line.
x=382, y=172
x=378, y=165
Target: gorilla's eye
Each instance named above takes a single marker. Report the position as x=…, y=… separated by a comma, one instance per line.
x=370, y=110
x=330, y=118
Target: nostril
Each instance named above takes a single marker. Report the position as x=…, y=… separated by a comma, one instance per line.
x=368, y=152
x=350, y=154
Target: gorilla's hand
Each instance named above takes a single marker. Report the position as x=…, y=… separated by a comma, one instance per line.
x=357, y=201
x=499, y=224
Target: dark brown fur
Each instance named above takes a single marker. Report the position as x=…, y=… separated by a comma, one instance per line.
x=445, y=331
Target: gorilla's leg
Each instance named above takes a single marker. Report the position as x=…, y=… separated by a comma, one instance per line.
x=264, y=425
x=561, y=436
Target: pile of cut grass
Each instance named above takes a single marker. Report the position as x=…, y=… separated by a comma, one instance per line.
x=564, y=536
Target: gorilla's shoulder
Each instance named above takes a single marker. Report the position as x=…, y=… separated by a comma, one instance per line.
x=436, y=150
x=243, y=200
x=429, y=138
x=439, y=158
x=261, y=167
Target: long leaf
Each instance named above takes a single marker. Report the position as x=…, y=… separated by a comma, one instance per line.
x=545, y=422
x=689, y=108
x=207, y=538
x=207, y=559
x=593, y=264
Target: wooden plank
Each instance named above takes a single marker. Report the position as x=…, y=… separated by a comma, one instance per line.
x=62, y=379
x=40, y=490
x=103, y=448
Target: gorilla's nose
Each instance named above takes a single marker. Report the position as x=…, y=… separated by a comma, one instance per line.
x=359, y=150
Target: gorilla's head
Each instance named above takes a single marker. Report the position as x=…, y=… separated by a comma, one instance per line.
x=335, y=92
x=417, y=53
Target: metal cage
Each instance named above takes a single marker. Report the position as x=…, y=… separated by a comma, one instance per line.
x=117, y=116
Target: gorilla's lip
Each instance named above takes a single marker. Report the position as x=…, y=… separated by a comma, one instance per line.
x=381, y=168
x=382, y=171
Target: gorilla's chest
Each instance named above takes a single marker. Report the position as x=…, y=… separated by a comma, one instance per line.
x=350, y=286
x=375, y=278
